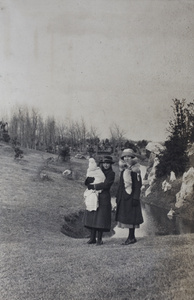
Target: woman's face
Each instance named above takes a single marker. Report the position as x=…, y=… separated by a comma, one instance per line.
x=127, y=159
x=106, y=166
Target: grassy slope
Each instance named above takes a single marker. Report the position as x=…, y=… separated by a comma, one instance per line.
x=38, y=262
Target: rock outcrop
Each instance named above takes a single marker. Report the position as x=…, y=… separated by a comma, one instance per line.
x=186, y=192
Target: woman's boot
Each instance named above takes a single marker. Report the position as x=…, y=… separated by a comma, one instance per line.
x=92, y=239
x=131, y=238
x=99, y=240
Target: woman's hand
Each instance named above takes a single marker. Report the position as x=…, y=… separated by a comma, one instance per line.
x=114, y=204
x=89, y=180
x=91, y=187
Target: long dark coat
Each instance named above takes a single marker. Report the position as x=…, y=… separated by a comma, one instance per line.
x=126, y=213
x=101, y=218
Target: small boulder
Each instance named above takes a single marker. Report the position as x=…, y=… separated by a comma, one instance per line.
x=67, y=172
x=172, y=176
x=166, y=186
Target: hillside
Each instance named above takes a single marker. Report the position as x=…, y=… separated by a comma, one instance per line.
x=37, y=182
x=38, y=262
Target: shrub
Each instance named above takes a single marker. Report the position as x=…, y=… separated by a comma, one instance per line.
x=174, y=157
x=6, y=137
x=64, y=153
x=18, y=153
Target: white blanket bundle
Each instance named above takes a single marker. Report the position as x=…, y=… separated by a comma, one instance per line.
x=91, y=196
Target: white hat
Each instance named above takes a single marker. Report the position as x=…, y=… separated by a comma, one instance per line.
x=128, y=152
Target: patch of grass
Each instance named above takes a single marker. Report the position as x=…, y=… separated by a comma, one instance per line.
x=38, y=262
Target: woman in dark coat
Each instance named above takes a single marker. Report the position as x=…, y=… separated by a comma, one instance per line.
x=128, y=212
x=100, y=220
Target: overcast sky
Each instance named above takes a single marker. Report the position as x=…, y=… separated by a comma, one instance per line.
x=107, y=61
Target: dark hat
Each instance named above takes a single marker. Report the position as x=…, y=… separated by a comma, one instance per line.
x=107, y=159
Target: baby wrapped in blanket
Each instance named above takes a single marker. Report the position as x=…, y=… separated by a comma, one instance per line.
x=91, y=196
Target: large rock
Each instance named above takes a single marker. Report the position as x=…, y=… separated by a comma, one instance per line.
x=154, y=147
x=191, y=154
x=191, y=150
x=186, y=192
x=152, y=174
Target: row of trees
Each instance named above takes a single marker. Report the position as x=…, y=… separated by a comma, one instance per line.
x=32, y=131
x=181, y=135
x=28, y=129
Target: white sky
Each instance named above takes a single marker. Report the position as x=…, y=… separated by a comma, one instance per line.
x=120, y=61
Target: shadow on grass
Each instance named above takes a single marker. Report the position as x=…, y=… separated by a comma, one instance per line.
x=74, y=226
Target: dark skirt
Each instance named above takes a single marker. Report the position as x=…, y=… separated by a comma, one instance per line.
x=99, y=219
x=127, y=214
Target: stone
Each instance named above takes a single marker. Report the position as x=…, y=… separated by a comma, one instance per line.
x=186, y=192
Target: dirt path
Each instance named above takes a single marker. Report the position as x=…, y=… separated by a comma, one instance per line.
x=38, y=262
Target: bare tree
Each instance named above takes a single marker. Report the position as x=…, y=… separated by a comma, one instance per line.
x=93, y=133
x=40, y=138
x=34, y=128
x=61, y=133
x=71, y=133
x=77, y=133
x=23, y=126
x=83, y=134
x=21, y=133
x=13, y=126
x=93, y=138
x=50, y=134
x=116, y=136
